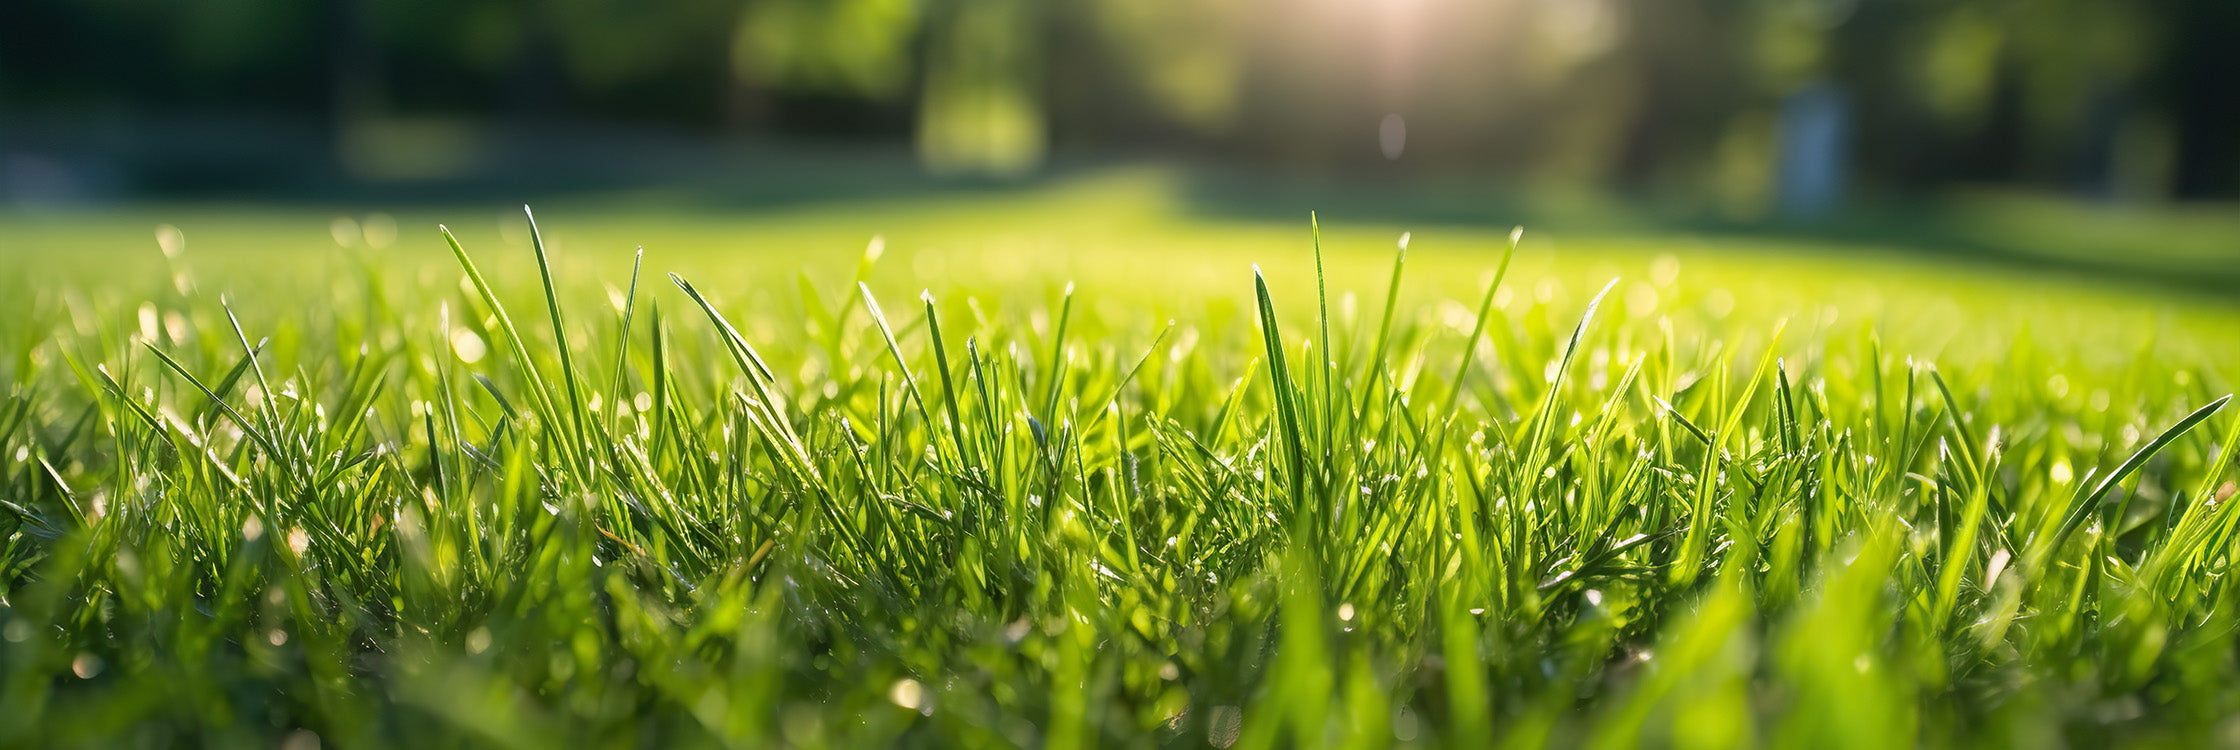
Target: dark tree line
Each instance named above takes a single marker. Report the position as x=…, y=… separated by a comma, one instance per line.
x=2100, y=95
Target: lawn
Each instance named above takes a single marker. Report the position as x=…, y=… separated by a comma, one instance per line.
x=1061, y=468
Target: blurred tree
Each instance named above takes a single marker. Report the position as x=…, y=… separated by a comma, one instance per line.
x=1185, y=56
x=981, y=109
x=1638, y=93
x=2200, y=84
x=851, y=47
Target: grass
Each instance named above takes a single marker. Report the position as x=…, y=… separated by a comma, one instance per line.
x=1103, y=484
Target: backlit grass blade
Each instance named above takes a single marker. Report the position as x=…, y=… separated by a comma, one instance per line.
x=1286, y=397
x=263, y=442
x=577, y=407
x=540, y=399
x=622, y=339
x=765, y=405
x=2081, y=509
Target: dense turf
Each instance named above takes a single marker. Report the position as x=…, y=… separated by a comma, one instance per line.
x=406, y=503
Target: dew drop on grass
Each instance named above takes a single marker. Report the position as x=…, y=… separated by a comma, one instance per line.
x=907, y=693
x=1406, y=727
x=478, y=641
x=86, y=666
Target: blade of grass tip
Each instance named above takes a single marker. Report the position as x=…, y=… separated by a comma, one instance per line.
x=1960, y=554
x=1524, y=481
x=1218, y=429
x=1374, y=368
x=69, y=498
x=965, y=452
x=1279, y=376
x=767, y=417
x=1057, y=357
x=1682, y=420
x=2205, y=518
x=1543, y=425
x=505, y=405
x=1785, y=408
x=1695, y=545
x=1894, y=471
x=1423, y=430
x=661, y=416
x=622, y=339
x=2081, y=509
x=271, y=415
x=990, y=443
x=540, y=399
x=894, y=348
x=576, y=407
x=1965, y=435
x=270, y=451
x=1328, y=363
x=1879, y=415
x=117, y=389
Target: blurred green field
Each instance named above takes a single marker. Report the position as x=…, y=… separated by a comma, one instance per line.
x=2013, y=265
x=1098, y=487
